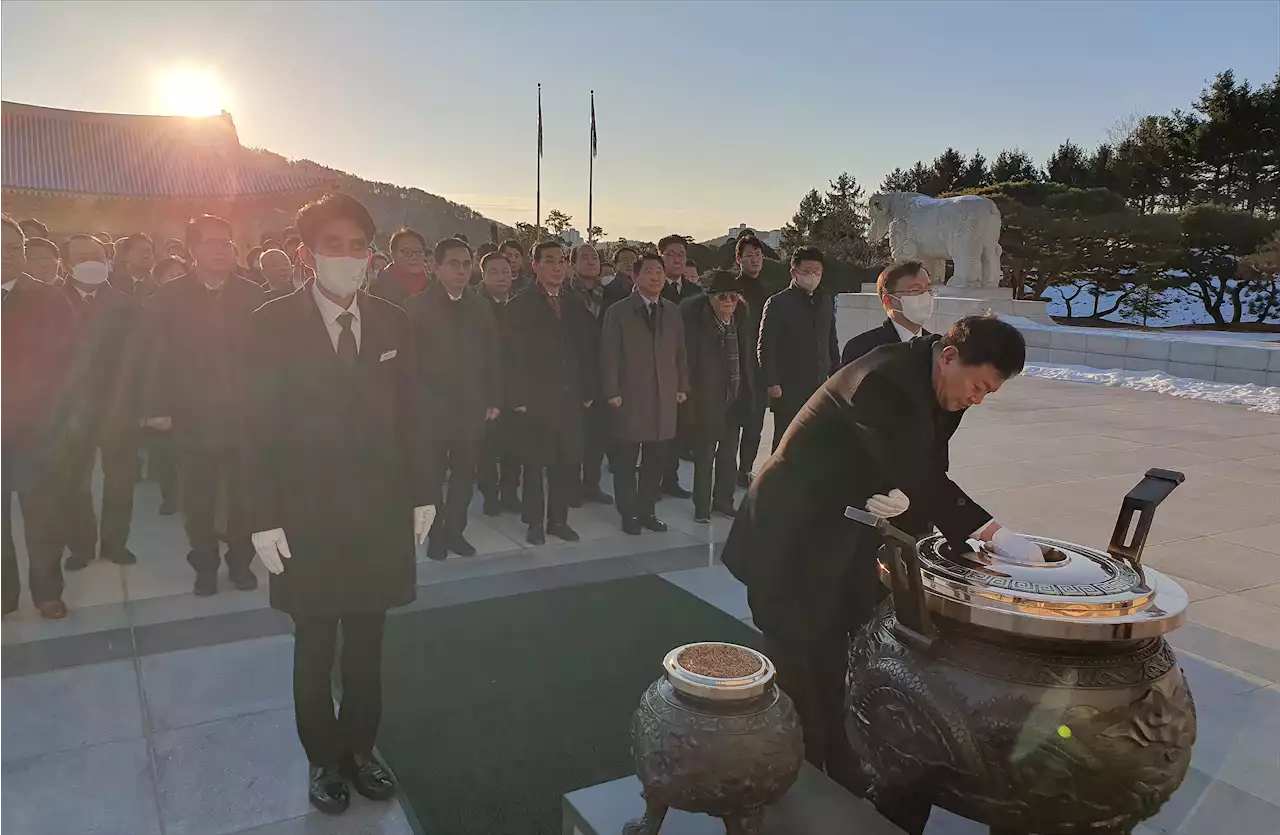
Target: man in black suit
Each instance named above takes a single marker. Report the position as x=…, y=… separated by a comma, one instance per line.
x=460, y=383
x=498, y=472
x=277, y=271
x=340, y=482
x=907, y=296
x=586, y=285
x=876, y=436
x=198, y=346
x=103, y=392
x=38, y=335
x=624, y=259
x=678, y=287
x=749, y=255
x=522, y=276
x=797, y=348
x=135, y=259
x=551, y=378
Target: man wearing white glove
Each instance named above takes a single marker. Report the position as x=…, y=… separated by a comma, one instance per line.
x=341, y=486
x=874, y=436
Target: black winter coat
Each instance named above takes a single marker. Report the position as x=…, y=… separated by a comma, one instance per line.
x=706, y=413
x=798, y=348
x=335, y=456
x=104, y=381
x=874, y=426
x=867, y=341
x=458, y=362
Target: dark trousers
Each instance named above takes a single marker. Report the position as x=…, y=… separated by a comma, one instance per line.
x=498, y=467
x=119, y=453
x=548, y=452
x=637, y=496
x=211, y=489
x=715, y=471
x=457, y=461
x=162, y=468
x=42, y=521
x=752, y=429
x=595, y=444
x=327, y=738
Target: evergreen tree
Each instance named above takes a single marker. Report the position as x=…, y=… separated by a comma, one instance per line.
x=975, y=174
x=1068, y=166
x=945, y=173
x=1014, y=166
x=797, y=232
x=1101, y=168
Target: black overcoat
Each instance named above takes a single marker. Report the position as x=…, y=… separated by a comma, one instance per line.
x=797, y=348
x=336, y=456
x=105, y=373
x=458, y=361
x=874, y=426
x=867, y=341
x=706, y=413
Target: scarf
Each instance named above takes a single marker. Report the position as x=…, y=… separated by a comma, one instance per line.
x=414, y=282
x=729, y=350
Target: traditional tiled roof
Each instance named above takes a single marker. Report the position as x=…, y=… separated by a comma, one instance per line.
x=43, y=149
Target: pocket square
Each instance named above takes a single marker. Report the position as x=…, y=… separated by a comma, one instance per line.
x=386, y=355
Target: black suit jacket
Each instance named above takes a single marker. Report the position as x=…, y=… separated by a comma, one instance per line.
x=676, y=292
x=197, y=347
x=551, y=367
x=105, y=373
x=865, y=342
x=874, y=426
x=140, y=290
x=706, y=414
x=798, y=348
x=458, y=362
x=336, y=456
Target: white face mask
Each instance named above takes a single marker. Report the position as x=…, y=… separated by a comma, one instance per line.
x=917, y=309
x=340, y=276
x=807, y=281
x=89, y=272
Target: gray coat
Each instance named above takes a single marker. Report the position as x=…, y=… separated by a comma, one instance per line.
x=645, y=368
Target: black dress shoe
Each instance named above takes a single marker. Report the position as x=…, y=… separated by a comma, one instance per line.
x=631, y=526
x=561, y=530
x=674, y=489
x=537, y=535
x=702, y=516
x=461, y=547
x=724, y=510
x=492, y=507
x=168, y=507
x=79, y=562
x=436, y=550
x=328, y=790
x=598, y=496
x=206, y=583
x=744, y=480
x=368, y=777
x=122, y=556
x=242, y=578
x=653, y=523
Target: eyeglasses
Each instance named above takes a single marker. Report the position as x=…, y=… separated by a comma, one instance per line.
x=726, y=296
x=915, y=291
x=411, y=253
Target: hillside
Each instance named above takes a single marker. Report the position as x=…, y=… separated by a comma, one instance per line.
x=394, y=206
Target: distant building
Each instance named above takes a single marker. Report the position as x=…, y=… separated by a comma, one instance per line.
x=772, y=239
x=571, y=236
x=122, y=173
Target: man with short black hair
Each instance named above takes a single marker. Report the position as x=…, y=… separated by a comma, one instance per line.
x=678, y=287
x=198, y=346
x=135, y=258
x=551, y=373
x=341, y=485
x=277, y=269
x=406, y=275
x=644, y=376
x=514, y=251
x=460, y=383
x=875, y=436
x=797, y=348
x=33, y=228
x=43, y=259
x=37, y=359
x=907, y=296
x=749, y=256
x=624, y=259
x=586, y=284
x=498, y=473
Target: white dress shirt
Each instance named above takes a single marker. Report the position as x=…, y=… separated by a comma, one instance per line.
x=904, y=334
x=330, y=312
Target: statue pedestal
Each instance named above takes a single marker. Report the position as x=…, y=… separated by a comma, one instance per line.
x=857, y=312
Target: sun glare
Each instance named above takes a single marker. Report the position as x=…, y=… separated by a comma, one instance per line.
x=191, y=93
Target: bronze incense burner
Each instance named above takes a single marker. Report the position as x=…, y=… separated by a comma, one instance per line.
x=1031, y=698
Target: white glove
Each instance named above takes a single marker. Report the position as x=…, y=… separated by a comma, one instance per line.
x=1014, y=547
x=887, y=507
x=271, y=547
x=423, y=518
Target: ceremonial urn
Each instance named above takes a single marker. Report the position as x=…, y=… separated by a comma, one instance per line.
x=1032, y=698
x=714, y=735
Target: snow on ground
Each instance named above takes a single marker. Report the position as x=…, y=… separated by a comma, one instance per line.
x=1257, y=398
x=1183, y=310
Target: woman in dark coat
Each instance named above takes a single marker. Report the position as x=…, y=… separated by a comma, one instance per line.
x=721, y=386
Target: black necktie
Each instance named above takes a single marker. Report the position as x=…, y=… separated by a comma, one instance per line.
x=347, y=350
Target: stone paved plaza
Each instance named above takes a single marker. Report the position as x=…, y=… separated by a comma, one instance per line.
x=151, y=711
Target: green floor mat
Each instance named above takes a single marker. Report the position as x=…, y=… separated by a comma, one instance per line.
x=494, y=710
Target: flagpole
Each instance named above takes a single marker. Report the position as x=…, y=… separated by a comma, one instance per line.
x=591, y=167
x=537, y=221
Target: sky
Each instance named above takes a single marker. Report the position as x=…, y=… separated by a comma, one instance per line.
x=709, y=114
